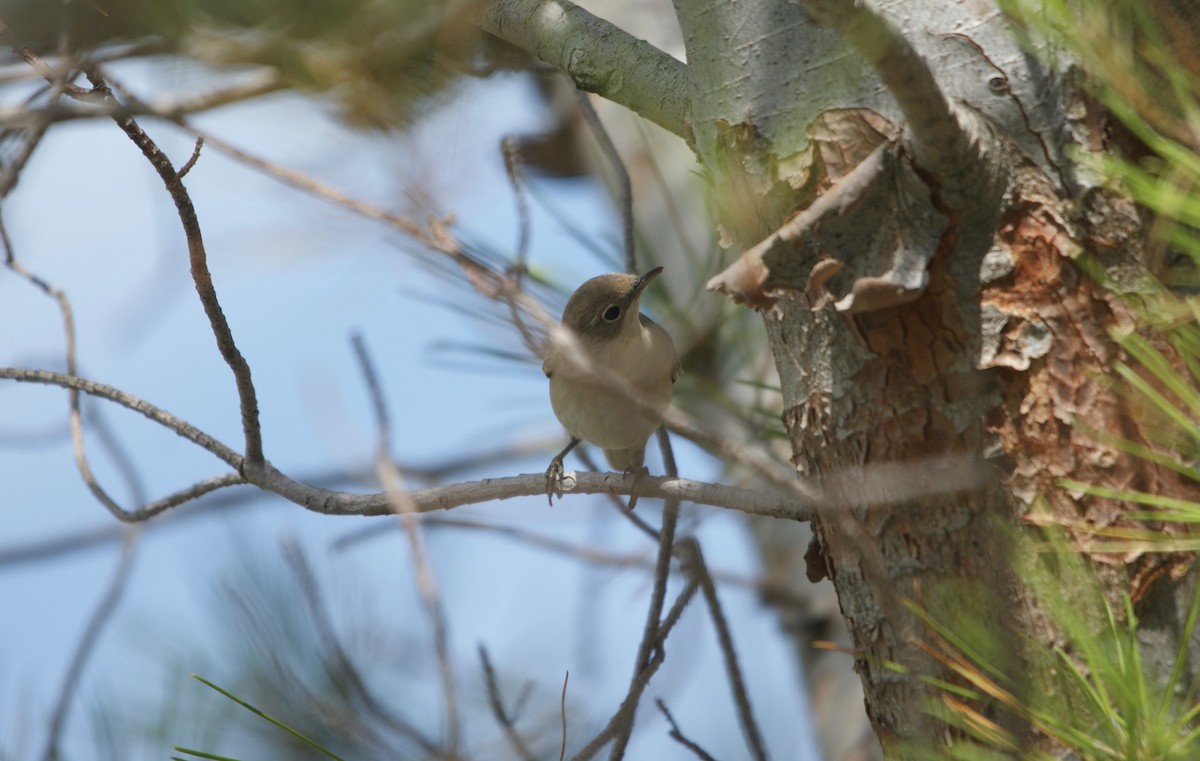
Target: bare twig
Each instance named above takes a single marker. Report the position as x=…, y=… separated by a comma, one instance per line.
x=437, y=498
x=506, y=721
x=75, y=414
x=87, y=643
x=678, y=736
x=695, y=565
x=406, y=511
x=187, y=167
x=200, y=273
x=562, y=712
x=624, y=714
x=129, y=401
x=651, y=641
x=624, y=186
x=44, y=70
x=954, y=476
x=516, y=178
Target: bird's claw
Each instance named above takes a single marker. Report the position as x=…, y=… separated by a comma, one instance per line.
x=637, y=473
x=554, y=478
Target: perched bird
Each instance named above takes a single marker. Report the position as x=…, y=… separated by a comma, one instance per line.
x=611, y=370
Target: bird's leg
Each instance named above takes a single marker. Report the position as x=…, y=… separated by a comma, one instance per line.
x=554, y=473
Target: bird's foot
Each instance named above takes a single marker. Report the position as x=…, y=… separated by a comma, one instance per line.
x=637, y=473
x=554, y=479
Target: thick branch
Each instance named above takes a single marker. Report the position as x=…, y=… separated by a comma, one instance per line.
x=598, y=56
x=941, y=143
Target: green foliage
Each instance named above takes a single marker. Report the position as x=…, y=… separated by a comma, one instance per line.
x=383, y=61
x=1106, y=704
x=262, y=715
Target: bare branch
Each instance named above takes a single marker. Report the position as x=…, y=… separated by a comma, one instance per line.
x=27, y=117
x=496, y=701
x=200, y=274
x=677, y=735
x=87, y=643
x=401, y=504
x=447, y=497
x=514, y=165
x=562, y=709
x=147, y=510
x=624, y=186
x=651, y=639
x=624, y=714
x=694, y=563
x=940, y=141
x=598, y=56
x=129, y=401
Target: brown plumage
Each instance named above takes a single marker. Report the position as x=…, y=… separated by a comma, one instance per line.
x=618, y=414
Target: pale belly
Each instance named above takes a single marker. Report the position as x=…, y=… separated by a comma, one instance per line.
x=605, y=418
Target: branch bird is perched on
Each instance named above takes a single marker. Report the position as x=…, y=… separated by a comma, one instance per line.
x=611, y=369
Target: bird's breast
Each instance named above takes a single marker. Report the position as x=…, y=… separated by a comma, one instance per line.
x=600, y=413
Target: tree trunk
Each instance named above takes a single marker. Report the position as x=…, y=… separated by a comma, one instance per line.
x=909, y=226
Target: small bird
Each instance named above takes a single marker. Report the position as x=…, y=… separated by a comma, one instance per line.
x=611, y=373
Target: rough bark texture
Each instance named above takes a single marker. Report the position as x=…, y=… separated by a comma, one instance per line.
x=945, y=327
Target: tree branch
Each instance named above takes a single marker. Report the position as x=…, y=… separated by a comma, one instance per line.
x=326, y=501
x=198, y=258
x=598, y=56
x=96, y=624
x=940, y=142
x=694, y=564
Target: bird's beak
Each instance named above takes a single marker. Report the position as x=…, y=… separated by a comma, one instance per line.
x=640, y=284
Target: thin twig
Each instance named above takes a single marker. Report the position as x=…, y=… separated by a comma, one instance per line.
x=496, y=701
x=737, y=686
x=624, y=714
x=516, y=178
x=562, y=711
x=201, y=276
x=75, y=414
x=651, y=640
x=87, y=643
x=187, y=167
x=624, y=186
x=678, y=736
x=406, y=510
x=129, y=401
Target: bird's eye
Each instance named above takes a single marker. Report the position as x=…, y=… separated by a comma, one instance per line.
x=612, y=313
